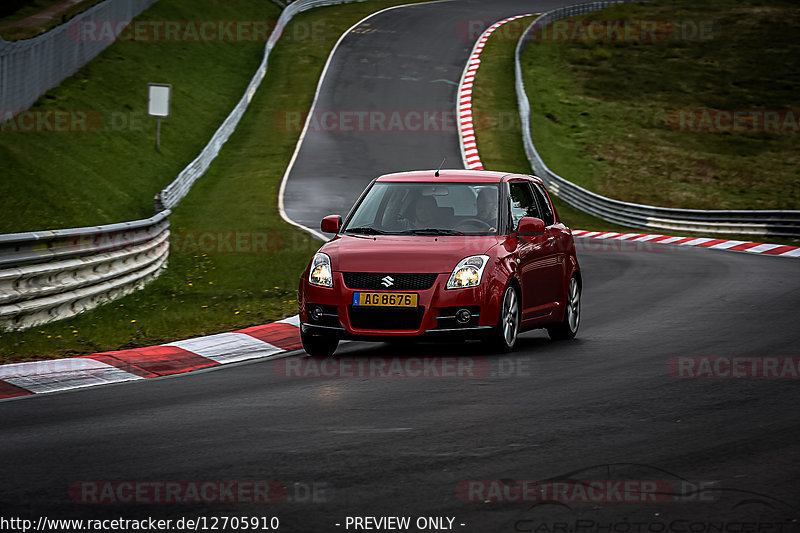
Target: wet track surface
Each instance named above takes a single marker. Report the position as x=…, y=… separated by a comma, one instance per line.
x=603, y=407
x=388, y=102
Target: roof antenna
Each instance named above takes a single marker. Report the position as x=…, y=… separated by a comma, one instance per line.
x=440, y=167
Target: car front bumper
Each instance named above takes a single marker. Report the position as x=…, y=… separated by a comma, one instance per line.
x=435, y=314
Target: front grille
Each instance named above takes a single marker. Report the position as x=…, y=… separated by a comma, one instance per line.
x=393, y=319
x=375, y=281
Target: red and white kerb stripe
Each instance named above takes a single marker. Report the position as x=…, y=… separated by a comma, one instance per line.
x=36, y=377
x=703, y=242
x=466, y=127
x=472, y=161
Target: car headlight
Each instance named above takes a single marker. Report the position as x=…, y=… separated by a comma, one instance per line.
x=320, y=272
x=468, y=272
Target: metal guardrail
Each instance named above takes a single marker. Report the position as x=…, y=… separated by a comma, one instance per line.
x=175, y=191
x=769, y=223
x=52, y=275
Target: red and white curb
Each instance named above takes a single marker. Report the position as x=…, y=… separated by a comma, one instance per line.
x=37, y=377
x=703, y=242
x=472, y=161
x=466, y=125
x=24, y=379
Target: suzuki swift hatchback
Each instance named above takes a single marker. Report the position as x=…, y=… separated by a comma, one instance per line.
x=457, y=252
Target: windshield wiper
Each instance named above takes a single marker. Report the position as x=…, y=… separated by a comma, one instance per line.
x=366, y=230
x=435, y=231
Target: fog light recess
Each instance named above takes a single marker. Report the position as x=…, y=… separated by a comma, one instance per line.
x=463, y=316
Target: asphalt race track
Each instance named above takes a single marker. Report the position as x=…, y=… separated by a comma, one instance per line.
x=398, y=63
x=603, y=408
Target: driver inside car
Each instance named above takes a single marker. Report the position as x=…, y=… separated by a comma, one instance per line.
x=425, y=211
x=487, y=208
x=421, y=214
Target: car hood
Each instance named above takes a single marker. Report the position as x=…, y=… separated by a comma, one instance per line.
x=404, y=253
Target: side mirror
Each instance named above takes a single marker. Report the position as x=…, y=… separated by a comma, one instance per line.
x=331, y=224
x=530, y=227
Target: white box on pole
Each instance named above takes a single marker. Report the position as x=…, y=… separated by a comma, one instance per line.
x=159, y=98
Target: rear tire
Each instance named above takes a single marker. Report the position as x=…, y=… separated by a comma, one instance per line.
x=318, y=345
x=568, y=328
x=505, y=334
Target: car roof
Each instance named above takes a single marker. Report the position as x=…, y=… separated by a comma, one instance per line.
x=451, y=176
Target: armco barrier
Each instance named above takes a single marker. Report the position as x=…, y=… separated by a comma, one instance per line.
x=769, y=223
x=175, y=191
x=51, y=275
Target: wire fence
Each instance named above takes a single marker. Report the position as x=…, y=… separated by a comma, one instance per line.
x=51, y=275
x=55, y=274
x=30, y=67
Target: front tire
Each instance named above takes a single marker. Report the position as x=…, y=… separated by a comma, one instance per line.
x=507, y=329
x=318, y=345
x=568, y=328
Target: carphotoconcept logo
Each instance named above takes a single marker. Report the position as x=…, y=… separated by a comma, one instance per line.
x=593, y=500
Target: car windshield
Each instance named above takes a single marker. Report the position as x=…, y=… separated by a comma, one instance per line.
x=401, y=208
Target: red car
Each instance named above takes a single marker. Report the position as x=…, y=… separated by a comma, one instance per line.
x=457, y=252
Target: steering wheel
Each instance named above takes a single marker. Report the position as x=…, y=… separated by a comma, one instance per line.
x=397, y=223
x=473, y=223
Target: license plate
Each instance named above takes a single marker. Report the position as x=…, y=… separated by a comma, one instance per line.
x=385, y=299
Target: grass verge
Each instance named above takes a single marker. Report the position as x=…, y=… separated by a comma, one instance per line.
x=498, y=126
x=234, y=262
x=500, y=141
x=613, y=115
x=105, y=168
x=14, y=12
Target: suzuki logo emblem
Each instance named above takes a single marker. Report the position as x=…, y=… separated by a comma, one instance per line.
x=387, y=281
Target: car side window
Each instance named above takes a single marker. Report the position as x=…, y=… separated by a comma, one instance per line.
x=522, y=203
x=544, y=204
